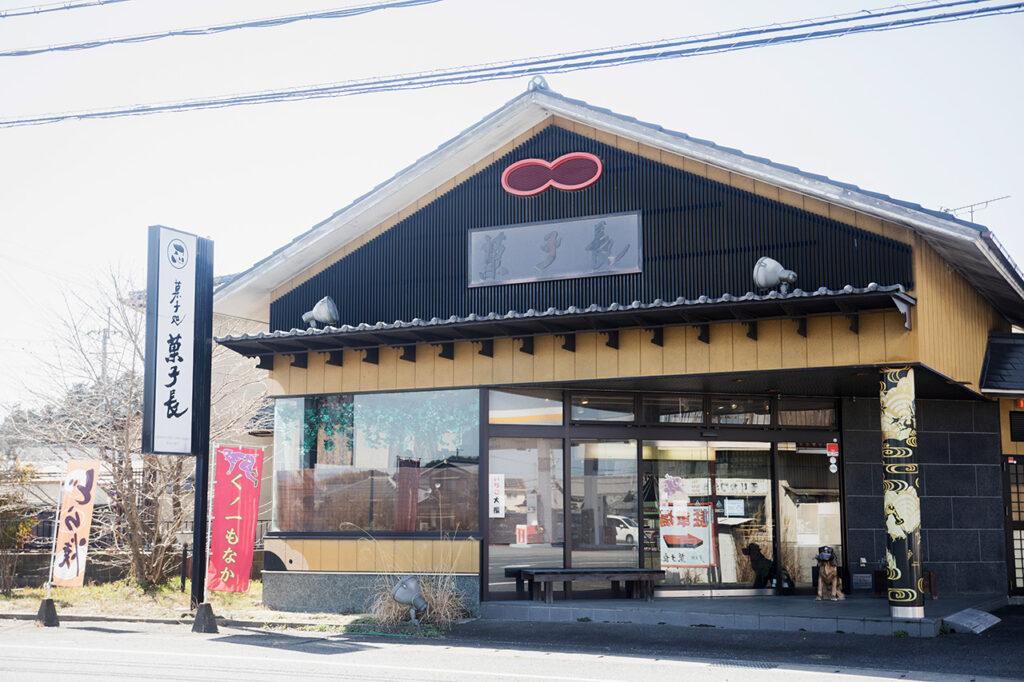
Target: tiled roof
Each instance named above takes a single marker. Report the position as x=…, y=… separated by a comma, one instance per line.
x=1003, y=369
x=969, y=247
x=748, y=307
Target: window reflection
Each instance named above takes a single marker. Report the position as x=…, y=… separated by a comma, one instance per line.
x=525, y=406
x=377, y=462
x=674, y=409
x=741, y=411
x=602, y=407
x=604, y=503
x=528, y=531
x=807, y=412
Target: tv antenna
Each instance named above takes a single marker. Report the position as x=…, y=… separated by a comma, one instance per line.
x=971, y=208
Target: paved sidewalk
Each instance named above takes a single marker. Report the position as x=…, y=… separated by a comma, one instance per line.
x=857, y=614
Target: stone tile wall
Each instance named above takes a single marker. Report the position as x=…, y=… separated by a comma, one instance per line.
x=963, y=537
x=327, y=592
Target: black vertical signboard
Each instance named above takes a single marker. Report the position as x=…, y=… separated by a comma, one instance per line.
x=179, y=347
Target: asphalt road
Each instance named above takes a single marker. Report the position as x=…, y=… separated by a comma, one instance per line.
x=489, y=650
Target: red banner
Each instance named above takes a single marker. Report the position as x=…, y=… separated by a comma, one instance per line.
x=236, y=503
x=78, y=493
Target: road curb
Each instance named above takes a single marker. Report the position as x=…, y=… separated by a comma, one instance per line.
x=226, y=622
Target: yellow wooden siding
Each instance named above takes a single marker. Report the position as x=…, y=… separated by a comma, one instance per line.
x=829, y=342
x=364, y=555
x=952, y=321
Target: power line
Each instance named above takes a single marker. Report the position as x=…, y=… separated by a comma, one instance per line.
x=340, y=13
x=56, y=7
x=744, y=39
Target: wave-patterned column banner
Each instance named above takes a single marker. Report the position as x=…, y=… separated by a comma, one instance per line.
x=901, y=482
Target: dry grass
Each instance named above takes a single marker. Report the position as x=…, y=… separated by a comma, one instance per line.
x=125, y=600
x=444, y=601
x=444, y=605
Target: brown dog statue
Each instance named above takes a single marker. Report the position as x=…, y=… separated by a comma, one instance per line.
x=830, y=585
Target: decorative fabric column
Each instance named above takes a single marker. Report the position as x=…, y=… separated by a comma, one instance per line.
x=900, y=481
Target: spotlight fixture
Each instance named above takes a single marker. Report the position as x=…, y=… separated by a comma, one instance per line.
x=324, y=312
x=769, y=273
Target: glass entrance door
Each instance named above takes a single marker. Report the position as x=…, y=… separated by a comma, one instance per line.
x=525, y=509
x=809, y=516
x=707, y=513
x=603, y=507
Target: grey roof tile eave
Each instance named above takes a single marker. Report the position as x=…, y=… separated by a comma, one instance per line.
x=454, y=320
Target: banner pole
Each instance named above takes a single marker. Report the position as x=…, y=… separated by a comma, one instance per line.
x=53, y=544
x=203, y=351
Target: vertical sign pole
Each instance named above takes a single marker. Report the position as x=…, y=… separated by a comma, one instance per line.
x=203, y=352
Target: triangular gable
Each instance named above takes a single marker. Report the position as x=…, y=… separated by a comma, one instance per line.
x=700, y=238
x=969, y=247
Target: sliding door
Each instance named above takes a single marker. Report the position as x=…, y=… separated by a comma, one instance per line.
x=525, y=509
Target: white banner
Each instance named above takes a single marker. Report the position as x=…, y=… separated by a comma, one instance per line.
x=175, y=342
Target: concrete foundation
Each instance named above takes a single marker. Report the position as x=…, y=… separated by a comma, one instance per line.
x=330, y=592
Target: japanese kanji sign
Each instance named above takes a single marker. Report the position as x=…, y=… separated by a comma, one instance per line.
x=560, y=249
x=170, y=342
x=685, y=528
x=78, y=493
x=236, y=502
x=496, y=496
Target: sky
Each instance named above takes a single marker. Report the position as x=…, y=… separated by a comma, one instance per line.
x=929, y=115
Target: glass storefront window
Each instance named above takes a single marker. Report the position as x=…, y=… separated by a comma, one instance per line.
x=525, y=406
x=602, y=407
x=604, y=503
x=405, y=462
x=529, y=531
x=741, y=411
x=674, y=409
x=807, y=412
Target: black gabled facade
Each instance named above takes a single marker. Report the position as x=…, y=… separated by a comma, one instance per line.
x=699, y=238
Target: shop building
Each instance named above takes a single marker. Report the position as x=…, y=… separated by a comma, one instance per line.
x=550, y=350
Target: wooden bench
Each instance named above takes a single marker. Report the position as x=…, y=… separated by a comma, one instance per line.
x=516, y=573
x=634, y=578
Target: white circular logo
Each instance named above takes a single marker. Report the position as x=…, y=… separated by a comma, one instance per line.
x=177, y=254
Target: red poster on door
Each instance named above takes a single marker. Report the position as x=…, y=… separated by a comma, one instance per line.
x=236, y=503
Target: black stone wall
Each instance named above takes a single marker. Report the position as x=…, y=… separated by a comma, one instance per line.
x=963, y=537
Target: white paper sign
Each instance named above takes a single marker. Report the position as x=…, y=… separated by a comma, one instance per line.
x=734, y=507
x=175, y=342
x=496, y=496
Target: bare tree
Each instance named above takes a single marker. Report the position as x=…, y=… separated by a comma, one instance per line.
x=94, y=411
x=15, y=516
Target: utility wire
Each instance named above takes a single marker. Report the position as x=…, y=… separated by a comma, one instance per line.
x=56, y=7
x=593, y=59
x=343, y=12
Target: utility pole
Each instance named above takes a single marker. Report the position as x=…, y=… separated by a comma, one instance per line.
x=106, y=335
